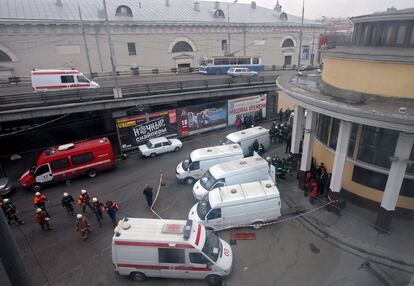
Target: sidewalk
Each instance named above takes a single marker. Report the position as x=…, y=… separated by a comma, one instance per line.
x=353, y=229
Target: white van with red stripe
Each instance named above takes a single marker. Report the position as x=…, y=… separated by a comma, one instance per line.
x=60, y=79
x=182, y=249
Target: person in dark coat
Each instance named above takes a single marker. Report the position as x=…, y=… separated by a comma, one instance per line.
x=148, y=195
x=288, y=143
x=322, y=181
x=281, y=115
x=67, y=203
x=97, y=207
x=111, y=209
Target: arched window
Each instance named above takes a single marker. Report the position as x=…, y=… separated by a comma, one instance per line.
x=4, y=57
x=219, y=13
x=181, y=47
x=283, y=16
x=123, y=11
x=288, y=43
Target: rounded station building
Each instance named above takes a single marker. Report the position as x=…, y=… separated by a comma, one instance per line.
x=359, y=118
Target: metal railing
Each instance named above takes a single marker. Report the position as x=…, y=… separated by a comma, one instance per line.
x=134, y=72
x=37, y=99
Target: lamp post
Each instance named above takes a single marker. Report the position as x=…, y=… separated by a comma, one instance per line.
x=301, y=35
x=117, y=91
x=228, y=23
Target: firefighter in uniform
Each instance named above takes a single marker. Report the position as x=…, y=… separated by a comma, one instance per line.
x=83, y=226
x=10, y=211
x=84, y=200
x=111, y=209
x=39, y=202
x=67, y=203
x=42, y=219
x=97, y=207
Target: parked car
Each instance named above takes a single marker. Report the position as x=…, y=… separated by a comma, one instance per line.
x=159, y=145
x=6, y=186
x=236, y=72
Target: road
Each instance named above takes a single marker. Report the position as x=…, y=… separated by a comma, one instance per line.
x=282, y=254
x=108, y=82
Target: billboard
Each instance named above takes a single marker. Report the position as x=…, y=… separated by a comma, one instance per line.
x=246, y=106
x=134, y=131
x=200, y=118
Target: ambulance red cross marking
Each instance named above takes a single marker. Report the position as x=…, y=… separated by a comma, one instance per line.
x=226, y=252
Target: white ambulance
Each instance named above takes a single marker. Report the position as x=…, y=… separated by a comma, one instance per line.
x=144, y=248
x=60, y=79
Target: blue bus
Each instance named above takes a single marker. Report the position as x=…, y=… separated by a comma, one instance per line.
x=220, y=65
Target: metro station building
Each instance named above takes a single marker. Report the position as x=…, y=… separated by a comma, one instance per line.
x=360, y=115
x=146, y=34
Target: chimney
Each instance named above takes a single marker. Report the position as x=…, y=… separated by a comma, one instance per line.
x=253, y=5
x=278, y=7
x=197, y=6
x=59, y=3
x=216, y=5
x=167, y=3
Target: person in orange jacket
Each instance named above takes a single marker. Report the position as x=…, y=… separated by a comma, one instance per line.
x=39, y=202
x=85, y=199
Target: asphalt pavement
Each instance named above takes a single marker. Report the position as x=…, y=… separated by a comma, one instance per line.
x=286, y=253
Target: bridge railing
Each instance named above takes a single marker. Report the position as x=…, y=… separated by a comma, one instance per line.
x=39, y=99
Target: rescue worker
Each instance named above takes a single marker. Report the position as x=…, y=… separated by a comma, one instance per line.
x=10, y=211
x=314, y=191
x=111, y=209
x=84, y=200
x=67, y=203
x=97, y=207
x=42, y=219
x=39, y=202
x=83, y=226
x=148, y=195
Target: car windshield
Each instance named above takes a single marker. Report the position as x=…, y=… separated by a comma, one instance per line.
x=212, y=247
x=203, y=207
x=187, y=162
x=149, y=145
x=207, y=181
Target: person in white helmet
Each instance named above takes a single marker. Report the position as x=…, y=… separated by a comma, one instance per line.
x=84, y=200
x=83, y=226
x=39, y=201
x=97, y=208
x=67, y=203
x=10, y=211
x=42, y=219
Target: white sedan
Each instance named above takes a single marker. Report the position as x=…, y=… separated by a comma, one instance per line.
x=237, y=72
x=160, y=145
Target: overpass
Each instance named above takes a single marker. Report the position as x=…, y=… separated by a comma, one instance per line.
x=29, y=105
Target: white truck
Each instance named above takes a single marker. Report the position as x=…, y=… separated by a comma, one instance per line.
x=246, y=137
x=144, y=248
x=249, y=169
x=200, y=160
x=59, y=79
x=244, y=204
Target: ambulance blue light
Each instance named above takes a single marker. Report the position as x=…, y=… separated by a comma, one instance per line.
x=187, y=229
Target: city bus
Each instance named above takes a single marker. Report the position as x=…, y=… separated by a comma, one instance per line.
x=220, y=65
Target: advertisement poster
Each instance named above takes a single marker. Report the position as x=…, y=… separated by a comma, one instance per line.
x=305, y=53
x=199, y=118
x=134, y=131
x=247, y=106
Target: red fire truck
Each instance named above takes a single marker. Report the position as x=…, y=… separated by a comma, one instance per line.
x=67, y=161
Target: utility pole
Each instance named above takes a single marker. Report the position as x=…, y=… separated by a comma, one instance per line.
x=301, y=35
x=11, y=257
x=228, y=29
x=84, y=41
x=117, y=90
x=244, y=39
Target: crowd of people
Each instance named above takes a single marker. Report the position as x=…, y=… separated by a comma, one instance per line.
x=42, y=216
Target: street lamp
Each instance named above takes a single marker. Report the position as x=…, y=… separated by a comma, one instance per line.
x=301, y=35
x=228, y=23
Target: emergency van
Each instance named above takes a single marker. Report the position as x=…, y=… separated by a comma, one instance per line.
x=60, y=79
x=249, y=169
x=245, y=204
x=200, y=160
x=144, y=248
x=246, y=137
x=67, y=161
